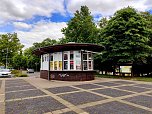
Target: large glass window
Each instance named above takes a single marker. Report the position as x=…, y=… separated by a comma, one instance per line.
x=78, y=60
x=65, y=60
x=59, y=60
x=56, y=61
x=87, y=61
x=71, y=60
x=51, y=62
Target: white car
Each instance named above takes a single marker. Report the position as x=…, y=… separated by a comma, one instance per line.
x=5, y=73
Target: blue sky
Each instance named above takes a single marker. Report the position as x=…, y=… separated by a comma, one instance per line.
x=35, y=20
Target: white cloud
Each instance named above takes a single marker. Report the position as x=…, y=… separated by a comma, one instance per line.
x=149, y=4
x=21, y=25
x=26, y=9
x=107, y=7
x=12, y=11
x=41, y=31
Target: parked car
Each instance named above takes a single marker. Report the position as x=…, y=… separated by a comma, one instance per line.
x=30, y=70
x=5, y=73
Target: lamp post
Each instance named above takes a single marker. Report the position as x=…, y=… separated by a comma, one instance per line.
x=6, y=57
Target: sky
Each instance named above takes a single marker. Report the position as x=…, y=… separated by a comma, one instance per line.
x=36, y=20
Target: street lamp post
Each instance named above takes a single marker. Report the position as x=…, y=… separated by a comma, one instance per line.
x=6, y=57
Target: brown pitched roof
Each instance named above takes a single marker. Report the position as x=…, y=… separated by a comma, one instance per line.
x=67, y=47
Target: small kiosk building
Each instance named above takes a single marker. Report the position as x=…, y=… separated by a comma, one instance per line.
x=68, y=62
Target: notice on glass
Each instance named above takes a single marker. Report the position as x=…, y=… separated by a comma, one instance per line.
x=125, y=69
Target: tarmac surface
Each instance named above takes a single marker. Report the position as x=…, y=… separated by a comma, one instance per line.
x=33, y=95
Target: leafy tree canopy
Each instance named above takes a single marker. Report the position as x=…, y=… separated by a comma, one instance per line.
x=81, y=27
x=9, y=46
x=33, y=61
x=126, y=37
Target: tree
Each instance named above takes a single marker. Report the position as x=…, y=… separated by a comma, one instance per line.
x=19, y=61
x=103, y=22
x=45, y=42
x=126, y=37
x=33, y=61
x=147, y=67
x=81, y=27
x=9, y=46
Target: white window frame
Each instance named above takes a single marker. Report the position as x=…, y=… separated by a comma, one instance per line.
x=79, y=59
x=87, y=52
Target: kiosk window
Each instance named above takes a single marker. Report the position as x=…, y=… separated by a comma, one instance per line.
x=87, y=61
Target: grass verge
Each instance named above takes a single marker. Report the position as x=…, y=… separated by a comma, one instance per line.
x=145, y=79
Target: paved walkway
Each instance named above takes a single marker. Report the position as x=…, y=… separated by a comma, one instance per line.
x=101, y=96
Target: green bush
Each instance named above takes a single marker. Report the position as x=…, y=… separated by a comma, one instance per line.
x=20, y=75
x=15, y=71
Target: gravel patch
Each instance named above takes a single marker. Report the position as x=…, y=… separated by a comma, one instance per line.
x=88, y=86
x=107, y=84
x=133, y=88
x=16, y=84
x=33, y=106
x=141, y=100
x=123, y=82
x=18, y=88
x=61, y=89
x=112, y=92
x=144, y=85
x=115, y=108
x=81, y=97
x=23, y=94
x=15, y=81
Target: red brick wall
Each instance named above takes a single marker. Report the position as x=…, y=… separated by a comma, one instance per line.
x=72, y=75
x=68, y=75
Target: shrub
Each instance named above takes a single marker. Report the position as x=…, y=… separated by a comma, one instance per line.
x=15, y=71
x=20, y=75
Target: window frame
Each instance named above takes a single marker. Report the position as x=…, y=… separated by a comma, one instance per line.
x=77, y=59
x=87, y=60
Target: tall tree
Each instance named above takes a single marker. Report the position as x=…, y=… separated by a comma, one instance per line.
x=33, y=61
x=126, y=37
x=81, y=27
x=9, y=46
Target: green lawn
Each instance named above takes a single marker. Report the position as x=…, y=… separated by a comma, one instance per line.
x=146, y=79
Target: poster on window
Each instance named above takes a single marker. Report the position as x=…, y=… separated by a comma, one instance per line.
x=55, y=65
x=125, y=69
x=78, y=60
x=60, y=65
x=51, y=65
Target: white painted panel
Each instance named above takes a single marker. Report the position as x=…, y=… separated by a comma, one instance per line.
x=45, y=62
x=41, y=66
